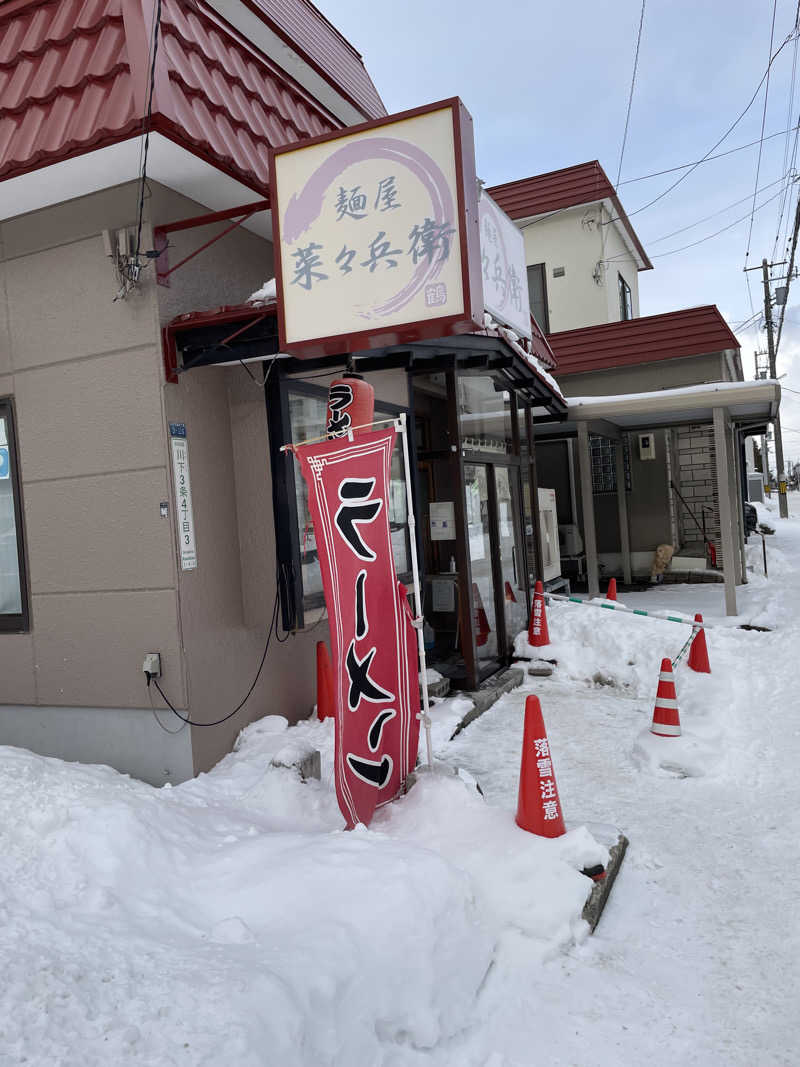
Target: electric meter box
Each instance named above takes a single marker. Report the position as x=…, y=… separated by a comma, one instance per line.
x=647, y=446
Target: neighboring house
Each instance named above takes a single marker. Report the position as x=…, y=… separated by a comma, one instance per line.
x=670, y=470
x=583, y=254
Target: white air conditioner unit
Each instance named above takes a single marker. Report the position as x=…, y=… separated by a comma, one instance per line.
x=548, y=532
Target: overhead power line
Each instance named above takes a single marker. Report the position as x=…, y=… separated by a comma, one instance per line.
x=788, y=276
x=763, y=125
x=710, y=236
x=716, y=145
x=630, y=94
x=709, y=159
x=721, y=211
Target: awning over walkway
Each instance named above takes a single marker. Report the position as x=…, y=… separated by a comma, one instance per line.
x=249, y=331
x=747, y=403
x=732, y=407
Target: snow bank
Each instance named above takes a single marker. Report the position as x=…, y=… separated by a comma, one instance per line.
x=623, y=653
x=206, y=923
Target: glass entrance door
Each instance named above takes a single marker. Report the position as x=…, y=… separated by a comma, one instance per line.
x=480, y=539
x=511, y=558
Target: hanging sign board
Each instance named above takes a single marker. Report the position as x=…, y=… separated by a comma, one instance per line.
x=373, y=642
x=376, y=233
x=183, y=496
x=503, y=269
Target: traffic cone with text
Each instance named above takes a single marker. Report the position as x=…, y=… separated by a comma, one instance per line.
x=666, y=720
x=538, y=633
x=538, y=805
x=612, y=589
x=698, y=653
x=325, y=703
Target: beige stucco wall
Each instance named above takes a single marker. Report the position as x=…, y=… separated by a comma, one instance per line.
x=646, y=377
x=84, y=373
x=577, y=241
x=92, y=408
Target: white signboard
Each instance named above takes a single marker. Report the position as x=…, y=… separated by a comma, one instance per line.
x=503, y=269
x=183, y=496
x=443, y=521
x=376, y=233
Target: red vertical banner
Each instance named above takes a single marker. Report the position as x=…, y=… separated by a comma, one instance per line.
x=372, y=639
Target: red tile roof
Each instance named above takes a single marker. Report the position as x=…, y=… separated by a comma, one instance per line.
x=692, y=332
x=74, y=76
x=544, y=194
x=65, y=81
x=228, y=99
x=307, y=30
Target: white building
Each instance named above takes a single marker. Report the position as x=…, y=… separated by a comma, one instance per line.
x=582, y=252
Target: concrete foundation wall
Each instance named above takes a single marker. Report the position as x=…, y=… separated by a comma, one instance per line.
x=128, y=739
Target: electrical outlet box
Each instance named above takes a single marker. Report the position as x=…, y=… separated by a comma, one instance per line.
x=647, y=446
x=152, y=664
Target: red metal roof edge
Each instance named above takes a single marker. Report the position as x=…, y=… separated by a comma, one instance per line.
x=211, y=14
x=612, y=332
x=605, y=188
x=325, y=75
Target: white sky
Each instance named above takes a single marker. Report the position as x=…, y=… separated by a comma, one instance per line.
x=547, y=86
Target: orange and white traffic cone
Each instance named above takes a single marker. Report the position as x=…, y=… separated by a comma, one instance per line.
x=325, y=702
x=538, y=633
x=510, y=593
x=666, y=720
x=612, y=589
x=698, y=653
x=538, y=805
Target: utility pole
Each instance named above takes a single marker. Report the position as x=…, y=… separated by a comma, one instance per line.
x=783, y=504
x=762, y=371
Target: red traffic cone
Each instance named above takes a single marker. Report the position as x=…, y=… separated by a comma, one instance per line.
x=538, y=634
x=698, y=653
x=612, y=589
x=538, y=806
x=325, y=702
x=666, y=721
x=510, y=593
x=482, y=627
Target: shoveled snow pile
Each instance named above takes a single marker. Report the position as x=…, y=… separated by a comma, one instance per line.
x=208, y=923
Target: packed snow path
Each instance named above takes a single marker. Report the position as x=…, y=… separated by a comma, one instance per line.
x=230, y=921
x=697, y=957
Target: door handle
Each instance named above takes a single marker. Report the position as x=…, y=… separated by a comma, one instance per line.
x=514, y=562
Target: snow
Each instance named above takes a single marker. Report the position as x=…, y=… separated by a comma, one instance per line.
x=267, y=294
x=533, y=361
x=230, y=920
x=663, y=397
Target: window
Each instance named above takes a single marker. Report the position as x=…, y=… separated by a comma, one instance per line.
x=625, y=303
x=604, y=464
x=307, y=406
x=13, y=586
x=537, y=294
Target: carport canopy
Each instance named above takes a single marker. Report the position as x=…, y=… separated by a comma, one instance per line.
x=732, y=407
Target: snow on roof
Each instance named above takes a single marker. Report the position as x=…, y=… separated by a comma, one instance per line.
x=765, y=394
